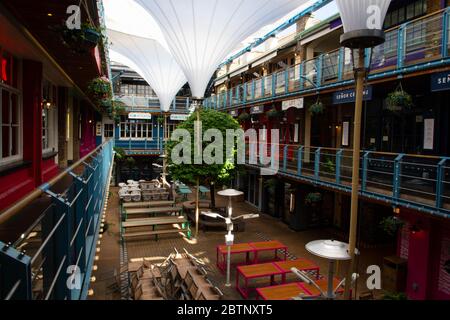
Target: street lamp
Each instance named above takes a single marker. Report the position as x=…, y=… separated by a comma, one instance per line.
x=363, y=28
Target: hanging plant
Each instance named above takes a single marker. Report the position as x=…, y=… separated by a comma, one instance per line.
x=399, y=100
x=271, y=185
x=316, y=108
x=160, y=120
x=243, y=117
x=273, y=114
x=329, y=166
x=391, y=225
x=313, y=198
x=80, y=40
x=100, y=89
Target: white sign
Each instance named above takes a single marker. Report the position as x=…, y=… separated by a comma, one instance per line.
x=139, y=116
x=296, y=103
x=428, y=143
x=345, y=134
x=179, y=117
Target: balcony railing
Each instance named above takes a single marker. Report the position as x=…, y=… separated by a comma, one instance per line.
x=418, y=182
x=420, y=44
x=151, y=104
x=142, y=146
x=50, y=256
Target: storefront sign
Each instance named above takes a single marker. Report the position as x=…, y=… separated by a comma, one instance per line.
x=257, y=110
x=349, y=96
x=139, y=116
x=179, y=117
x=440, y=81
x=296, y=103
x=428, y=140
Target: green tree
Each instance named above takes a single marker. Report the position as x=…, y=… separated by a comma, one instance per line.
x=208, y=174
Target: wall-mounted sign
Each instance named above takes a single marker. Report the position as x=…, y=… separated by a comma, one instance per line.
x=440, y=81
x=428, y=136
x=257, y=110
x=139, y=116
x=179, y=117
x=98, y=129
x=234, y=113
x=345, y=134
x=296, y=103
x=349, y=96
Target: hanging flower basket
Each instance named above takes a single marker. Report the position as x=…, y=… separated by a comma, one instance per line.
x=273, y=114
x=391, y=225
x=243, y=117
x=100, y=89
x=316, y=108
x=80, y=40
x=399, y=100
x=313, y=198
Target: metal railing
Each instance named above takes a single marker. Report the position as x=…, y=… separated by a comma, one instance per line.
x=420, y=182
x=144, y=146
x=420, y=44
x=151, y=104
x=51, y=257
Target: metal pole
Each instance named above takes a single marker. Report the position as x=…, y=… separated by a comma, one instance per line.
x=199, y=147
x=330, y=293
x=228, y=284
x=360, y=74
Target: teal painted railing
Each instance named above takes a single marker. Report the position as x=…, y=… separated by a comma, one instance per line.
x=414, y=46
x=52, y=256
x=412, y=181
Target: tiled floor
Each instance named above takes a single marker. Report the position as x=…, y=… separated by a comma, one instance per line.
x=261, y=229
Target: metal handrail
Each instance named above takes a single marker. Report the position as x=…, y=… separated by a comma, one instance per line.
x=10, y=212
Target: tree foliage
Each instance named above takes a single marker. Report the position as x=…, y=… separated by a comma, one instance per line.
x=206, y=173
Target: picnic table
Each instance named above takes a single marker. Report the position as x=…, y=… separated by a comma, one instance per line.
x=247, y=248
x=272, y=270
x=323, y=284
x=154, y=223
x=282, y=292
x=151, y=211
x=148, y=204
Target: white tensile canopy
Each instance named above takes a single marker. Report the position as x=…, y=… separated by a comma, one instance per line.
x=152, y=62
x=201, y=33
x=363, y=14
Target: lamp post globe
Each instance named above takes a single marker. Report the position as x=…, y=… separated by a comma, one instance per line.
x=363, y=22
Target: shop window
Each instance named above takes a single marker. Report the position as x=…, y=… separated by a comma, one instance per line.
x=49, y=117
x=135, y=129
x=406, y=13
x=11, y=119
x=108, y=131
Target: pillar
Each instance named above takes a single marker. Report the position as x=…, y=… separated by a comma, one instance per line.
x=62, y=126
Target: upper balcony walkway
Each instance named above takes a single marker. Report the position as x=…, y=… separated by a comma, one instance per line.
x=418, y=182
x=180, y=105
x=419, y=45
x=48, y=239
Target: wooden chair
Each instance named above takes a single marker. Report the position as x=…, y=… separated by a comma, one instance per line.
x=141, y=294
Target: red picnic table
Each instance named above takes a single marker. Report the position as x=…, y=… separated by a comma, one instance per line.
x=247, y=248
x=271, y=270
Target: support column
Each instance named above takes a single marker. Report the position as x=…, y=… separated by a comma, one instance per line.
x=307, y=156
x=62, y=126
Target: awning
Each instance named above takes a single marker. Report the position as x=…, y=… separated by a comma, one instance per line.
x=239, y=71
x=264, y=59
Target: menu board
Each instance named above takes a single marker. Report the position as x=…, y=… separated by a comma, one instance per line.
x=444, y=270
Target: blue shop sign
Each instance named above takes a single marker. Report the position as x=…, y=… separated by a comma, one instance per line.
x=440, y=81
x=349, y=96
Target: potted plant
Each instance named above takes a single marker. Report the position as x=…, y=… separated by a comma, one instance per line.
x=80, y=40
x=313, y=198
x=100, y=88
x=243, y=117
x=329, y=166
x=391, y=225
x=273, y=113
x=399, y=100
x=316, y=108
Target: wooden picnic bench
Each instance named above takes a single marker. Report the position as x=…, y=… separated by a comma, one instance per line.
x=151, y=211
x=154, y=223
x=148, y=204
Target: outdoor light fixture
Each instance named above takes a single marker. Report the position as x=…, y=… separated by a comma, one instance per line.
x=363, y=28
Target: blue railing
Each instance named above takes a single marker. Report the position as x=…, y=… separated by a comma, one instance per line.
x=414, y=46
x=180, y=105
x=51, y=258
x=418, y=182
x=141, y=147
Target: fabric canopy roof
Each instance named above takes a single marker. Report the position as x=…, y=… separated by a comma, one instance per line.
x=151, y=61
x=201, y=33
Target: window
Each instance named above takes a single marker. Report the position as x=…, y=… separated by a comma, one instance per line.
x=135, y=129
x=108, y=131
x=10, y=123
x=408, y=12
x=49, y=117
